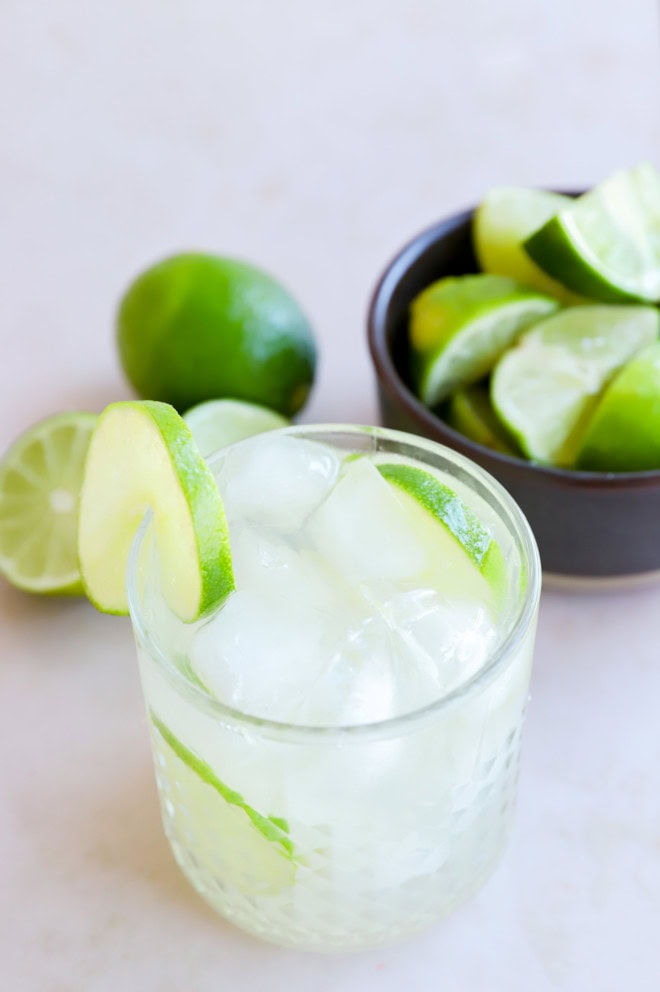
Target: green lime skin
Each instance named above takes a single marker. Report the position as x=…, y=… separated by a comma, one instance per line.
x=624, y=432
x=196, y=327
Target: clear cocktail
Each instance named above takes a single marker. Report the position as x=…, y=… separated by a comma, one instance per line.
x=337, y=745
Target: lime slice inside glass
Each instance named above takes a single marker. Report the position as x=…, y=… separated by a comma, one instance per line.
x=40, y=479
x=142, y=456
x=459, y=327
x=471, y=538
x=546, y=388
x=623, y=434
x=250, y=851
x=606, y=244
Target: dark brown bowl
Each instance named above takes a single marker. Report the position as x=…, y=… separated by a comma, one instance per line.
x=587, y=524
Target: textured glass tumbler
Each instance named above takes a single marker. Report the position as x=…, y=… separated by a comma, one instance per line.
x=339, y=838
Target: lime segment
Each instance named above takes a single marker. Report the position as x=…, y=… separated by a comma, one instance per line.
x=471, y=413
x=503, y=221
x=545, y=389
x=606, y=244
x=142, y=456
x=218, y=423
x=40, y=479
x=459, y=327
x=623, y=434
x=445, y=506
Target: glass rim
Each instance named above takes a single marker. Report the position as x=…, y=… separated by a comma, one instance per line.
x=393, y=726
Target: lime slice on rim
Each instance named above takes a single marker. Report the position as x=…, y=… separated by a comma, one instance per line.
x=448, y=509
x=471, y=413
x=623, y=434
x=459, y=327
x=545, y=389
x=218, y=423
x=606, y=244
x=142, y=456
x=503, y=221
x=40, y=479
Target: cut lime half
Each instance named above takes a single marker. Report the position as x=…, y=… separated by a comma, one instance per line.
x=606, y=244
x=218, y=423
x=142, y=456
x=40, y=479
x=546, y=388
x=459, y=327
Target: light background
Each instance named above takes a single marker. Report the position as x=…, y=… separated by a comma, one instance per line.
x=312, y=139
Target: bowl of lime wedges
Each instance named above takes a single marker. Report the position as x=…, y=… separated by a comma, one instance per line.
x=525, y=333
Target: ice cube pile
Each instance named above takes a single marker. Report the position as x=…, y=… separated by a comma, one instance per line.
x=352, y=603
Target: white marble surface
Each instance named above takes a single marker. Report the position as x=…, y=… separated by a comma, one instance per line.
x=312, y=139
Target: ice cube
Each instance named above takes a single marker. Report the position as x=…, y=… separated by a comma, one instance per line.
x=359, y=683
x=447, y=639
x=260, y=654
x=276, y=482
x=271, y=565
x=364, y=531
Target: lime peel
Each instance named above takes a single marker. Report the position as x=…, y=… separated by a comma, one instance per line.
x=273, y=828
x=623, y=434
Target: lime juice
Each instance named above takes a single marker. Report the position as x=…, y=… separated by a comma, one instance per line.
x=336, y=744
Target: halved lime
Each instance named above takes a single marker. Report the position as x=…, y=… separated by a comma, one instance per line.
x=218, y=423
x=459, y=327
x=40, y=479
x=142, y=456
x=623, y=434
x=445, y=506
x=606, y=244
x=545, y=389
x=503, y=221
x=471, y=413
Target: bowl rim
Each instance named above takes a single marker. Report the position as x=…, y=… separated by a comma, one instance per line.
x=390, y=379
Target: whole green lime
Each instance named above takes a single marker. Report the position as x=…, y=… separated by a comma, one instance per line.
x=197, y=327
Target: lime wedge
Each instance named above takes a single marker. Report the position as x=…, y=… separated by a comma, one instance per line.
x=503, y=221
x=218, y=423
x=40, y=479
x=545, y=389
x=142, y=456
x=445, y=506
x=471, y=413
x=459, y=327
x=623, y=434
x=606, y=244
x=233, y=841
